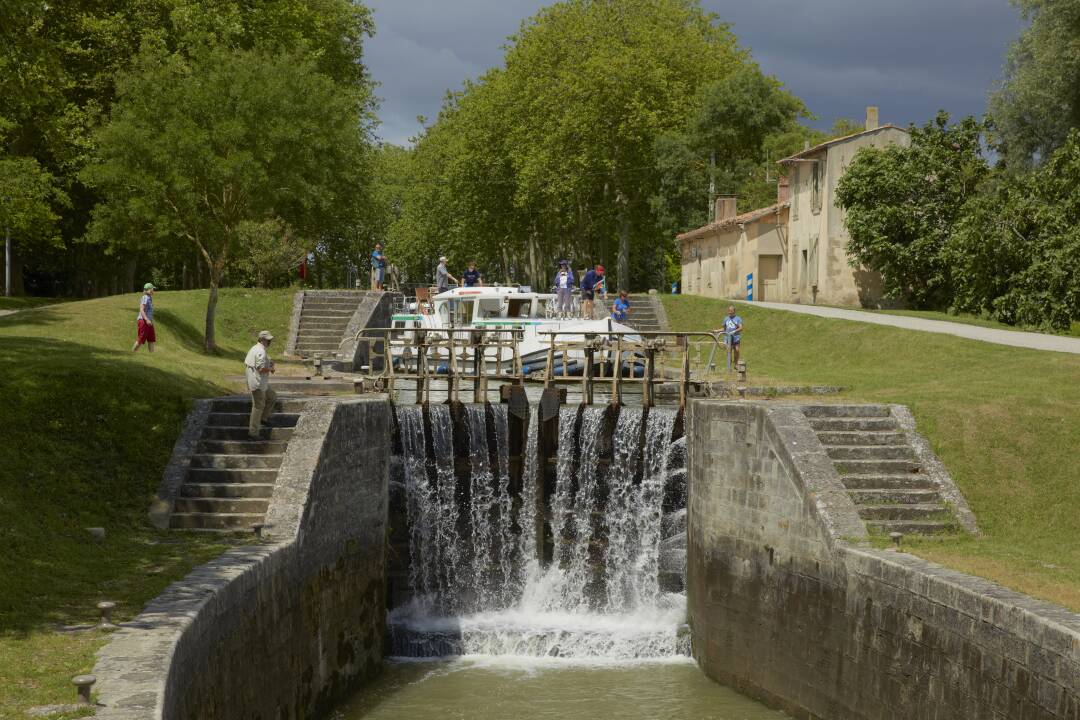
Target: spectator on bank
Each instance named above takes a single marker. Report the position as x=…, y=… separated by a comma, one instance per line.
x=471, y=277
x=592, y=283
x=144, y=323
x=620, y=309
x=733, y=328
x=443, y=276
x=257, y=369
x=564, y=287
x=378, y=267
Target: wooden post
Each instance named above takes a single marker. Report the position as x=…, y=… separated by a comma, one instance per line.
x=451, y=369
x=616, y=380
x=684, y=386
x=549, y=376
x=647, y=384
x=587, y=375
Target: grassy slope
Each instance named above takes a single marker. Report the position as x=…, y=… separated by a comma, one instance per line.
x=87, y=428
x=1005, y=422
x=25, y=302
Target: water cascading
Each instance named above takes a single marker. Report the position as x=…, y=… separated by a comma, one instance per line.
x=476, y=581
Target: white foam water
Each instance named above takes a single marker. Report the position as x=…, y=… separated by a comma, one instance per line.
x=483, y=593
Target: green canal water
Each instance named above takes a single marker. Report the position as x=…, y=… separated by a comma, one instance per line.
x=477, y=688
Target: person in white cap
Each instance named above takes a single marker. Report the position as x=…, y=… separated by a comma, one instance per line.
x=257, y=369
x=443, y=276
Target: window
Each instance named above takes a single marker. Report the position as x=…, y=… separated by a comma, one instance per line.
x=795, y=193
x=723, y=275
x=816, y=179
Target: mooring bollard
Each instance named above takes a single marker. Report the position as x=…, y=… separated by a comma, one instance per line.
x=740, y=368
x=896, y=537
x=83, y=683
x=106, y=607
x=258, y=529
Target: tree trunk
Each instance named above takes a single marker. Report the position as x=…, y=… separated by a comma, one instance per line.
x=623, y=272
x=131, y=267
x=210, y=344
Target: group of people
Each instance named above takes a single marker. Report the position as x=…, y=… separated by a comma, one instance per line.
x=592, y=284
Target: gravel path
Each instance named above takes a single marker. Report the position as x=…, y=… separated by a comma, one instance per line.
x=1034, y=341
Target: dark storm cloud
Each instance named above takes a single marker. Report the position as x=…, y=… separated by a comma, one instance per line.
x=910, y=57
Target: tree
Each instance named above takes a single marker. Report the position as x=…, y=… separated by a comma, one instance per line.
x=1038, y=101
x=1016, y=252
x=27, y=195
x=199, y=146
x=902, y=203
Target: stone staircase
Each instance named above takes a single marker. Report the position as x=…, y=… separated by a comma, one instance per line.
x=323, y=320
x=646, y=315
x=880, y=469
x=231, y=477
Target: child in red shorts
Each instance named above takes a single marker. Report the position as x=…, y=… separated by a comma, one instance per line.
x=145, y=321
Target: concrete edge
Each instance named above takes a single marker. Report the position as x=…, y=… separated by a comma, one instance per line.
x=936, y=469
x=347, y=348
x=294, y=322
x=800, y=446
x=1052, y=627
x=661, y=313
x=172, y=479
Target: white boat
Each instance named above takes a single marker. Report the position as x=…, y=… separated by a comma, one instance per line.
x=504, y=307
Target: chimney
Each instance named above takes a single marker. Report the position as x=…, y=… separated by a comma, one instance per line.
x=724, y=209
x=783, y=190
x=871, y=118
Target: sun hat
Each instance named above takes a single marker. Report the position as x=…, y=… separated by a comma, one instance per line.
x=149, y=286
x=442, y=258
x=265, y=335
x=564, y=261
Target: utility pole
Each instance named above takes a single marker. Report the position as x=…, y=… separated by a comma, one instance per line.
x=712, y=188
x=7, y=248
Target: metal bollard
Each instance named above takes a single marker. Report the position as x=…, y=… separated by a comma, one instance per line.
x=83, y=683
x=740, y=367
x=106, y=607
x=258, y=529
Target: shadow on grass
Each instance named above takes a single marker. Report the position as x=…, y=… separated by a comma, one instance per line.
x=31, y=316
x=190, y=337
x=86, y=436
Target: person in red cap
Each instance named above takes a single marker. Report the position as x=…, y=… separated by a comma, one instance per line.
x=592, y=283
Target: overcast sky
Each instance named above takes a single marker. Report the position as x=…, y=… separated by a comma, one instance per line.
x=909, y=57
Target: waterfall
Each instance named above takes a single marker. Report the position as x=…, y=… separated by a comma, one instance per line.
x=477, y=584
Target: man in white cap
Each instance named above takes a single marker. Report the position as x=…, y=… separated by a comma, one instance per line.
x=257, y=369
x=443, y=276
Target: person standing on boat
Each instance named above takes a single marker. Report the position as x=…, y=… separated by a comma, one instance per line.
x=564, y=286
x=471, y=277
x=592, y=283
x=443, y=277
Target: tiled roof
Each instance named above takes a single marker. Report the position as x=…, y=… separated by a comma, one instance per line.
x=744, y=219
x=828, y=143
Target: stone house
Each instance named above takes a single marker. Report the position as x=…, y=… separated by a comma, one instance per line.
x=793, y=251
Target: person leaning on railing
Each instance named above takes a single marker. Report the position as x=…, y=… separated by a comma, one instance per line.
x=732, y=330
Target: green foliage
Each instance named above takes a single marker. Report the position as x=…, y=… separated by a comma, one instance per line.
x=1039, y=100
x=199, y=145
x=902, y=202
x=1016, y=253
x=554, y=154
x=27, y=197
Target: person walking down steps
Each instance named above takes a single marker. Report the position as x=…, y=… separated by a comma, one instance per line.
x=257, y=369
x=144, y=324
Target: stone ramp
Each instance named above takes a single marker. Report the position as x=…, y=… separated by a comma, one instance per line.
x=230, y=477
x=884, y=470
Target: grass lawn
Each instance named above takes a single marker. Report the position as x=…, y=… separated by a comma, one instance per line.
x=27, y=302
x=87, y=428
x=1005, y=421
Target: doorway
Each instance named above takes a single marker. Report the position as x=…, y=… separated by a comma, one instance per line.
x=768, y=279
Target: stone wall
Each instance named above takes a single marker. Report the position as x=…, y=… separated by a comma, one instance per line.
x=283, y=628
x=374, y=311
x=789, y=604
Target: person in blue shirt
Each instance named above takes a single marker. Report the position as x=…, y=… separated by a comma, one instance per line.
x=592, y=283
x=564, y=287
x=620, y=309
x=471, y=277
x=378, y=266
x=733, y=327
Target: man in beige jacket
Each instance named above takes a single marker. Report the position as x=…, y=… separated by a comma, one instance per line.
x=257, y=369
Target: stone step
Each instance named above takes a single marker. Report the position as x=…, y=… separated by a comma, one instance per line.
x=234, y=419
x=226, y=506
x=866, y=437
x=227, y=490
x=886, y=482
x=853, y=424
x=846, y=411
x=242, y=403
x=240, y=432
x=920, y=511
x=338, y=301
x=230, y=522
x=240, y=462
x=894, y=496
x=222, y=476
x=870, y=452
x=320, y=334
x=332, y=344
x=876, y=467
x=241, y=447
x=326, y=315
x=322, y=325
x=913, y=527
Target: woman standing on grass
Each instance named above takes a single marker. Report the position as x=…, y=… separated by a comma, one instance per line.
x=145, y=322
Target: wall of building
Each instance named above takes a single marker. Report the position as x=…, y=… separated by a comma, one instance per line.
x=788, y=604
x=728, y=254
x=283, y=628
